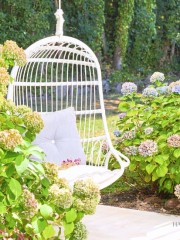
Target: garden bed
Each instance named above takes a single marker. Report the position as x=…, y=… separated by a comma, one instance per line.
x=141, y=199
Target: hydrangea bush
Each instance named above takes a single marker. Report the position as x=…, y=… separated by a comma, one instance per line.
x=34, y=202
x=150, y=132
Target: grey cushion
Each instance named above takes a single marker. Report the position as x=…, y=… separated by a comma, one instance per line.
x=59, y=138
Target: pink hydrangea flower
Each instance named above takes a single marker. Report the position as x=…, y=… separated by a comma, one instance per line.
x=147, y=148
x=174, y=140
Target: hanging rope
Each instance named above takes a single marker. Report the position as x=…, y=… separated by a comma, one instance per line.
x=60, y=20
x=59, y=4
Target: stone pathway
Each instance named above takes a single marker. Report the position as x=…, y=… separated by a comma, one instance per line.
x=112, y=223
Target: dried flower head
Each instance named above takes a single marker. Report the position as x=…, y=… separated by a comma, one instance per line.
x=157, y=76
x=33, y=121
x=128, y=88
x=105, y=147
x=4, y=76
x=86, y=188
x=147, y=148
x=80, y=231
x=177, y=191
x=8, y=106
x=148, y=130
x=86, y=205
x=12, y=52
x=3, y=90
x=150, y=92
x=62, y=197
x=30, y=204
x=3, y=63
x=9, y=139
x=174, y=140
x=22, y=109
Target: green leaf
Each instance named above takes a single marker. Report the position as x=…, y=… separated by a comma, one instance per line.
x=159, y=159
x=132, y=113
x=154, y=176
x=71, y=215
x=68, y=228
x=49, y=232
x=21, y=164
x=132, y=166
x=161, y=170
x=147, y=178
x=39, y=225
x=150, y=168
x=124, y=107
x=46, y=211
x=2, y=208
x=38, y=167
x=168, y=184
x=176, y=153
x=15, y=187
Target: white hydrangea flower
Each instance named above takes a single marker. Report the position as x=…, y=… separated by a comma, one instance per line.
x=150, y=92
x=157, y=76
x=148, y=130
x=128, y=88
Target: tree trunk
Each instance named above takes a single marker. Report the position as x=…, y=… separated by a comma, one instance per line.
x=105, y=49
x=117, y=59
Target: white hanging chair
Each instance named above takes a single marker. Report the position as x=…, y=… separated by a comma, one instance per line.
x=63, y=72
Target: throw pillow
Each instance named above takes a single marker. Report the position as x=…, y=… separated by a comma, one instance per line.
x=59, y=138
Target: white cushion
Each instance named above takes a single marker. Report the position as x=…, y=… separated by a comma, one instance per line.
x=99, y=174
x=59, y=138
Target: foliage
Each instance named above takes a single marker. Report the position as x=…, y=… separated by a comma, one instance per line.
x=150, y=133
x=84, y=20
x=26, y=21
x=35, y=203
x=122, y=76
x=123, y=21
x=137, y=35
x=143, y=32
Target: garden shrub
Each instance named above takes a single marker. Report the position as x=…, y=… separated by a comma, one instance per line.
x=34, y=202
x=149, y=131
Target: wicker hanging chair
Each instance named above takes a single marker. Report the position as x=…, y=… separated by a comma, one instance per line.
x=63, y=72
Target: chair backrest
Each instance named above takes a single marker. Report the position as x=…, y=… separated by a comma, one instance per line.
x=63, y=72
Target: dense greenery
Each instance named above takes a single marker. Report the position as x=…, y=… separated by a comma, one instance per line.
x=149, y=131
x=26, y=21
x=137, y=36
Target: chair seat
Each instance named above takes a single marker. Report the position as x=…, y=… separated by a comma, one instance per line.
x=101, y=175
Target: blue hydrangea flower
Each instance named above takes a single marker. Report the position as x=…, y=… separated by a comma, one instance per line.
x=117, y=133
x=176, y=89
x=128, y=88
x=162, y=90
